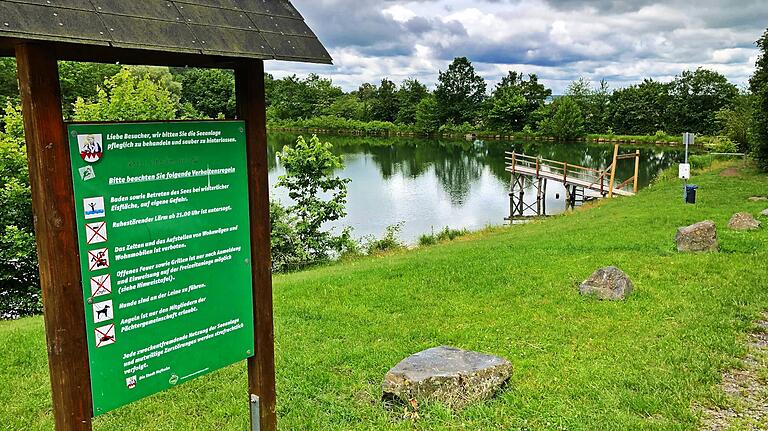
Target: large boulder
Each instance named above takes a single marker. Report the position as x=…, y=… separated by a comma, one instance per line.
x=701, y=236
x=448, y=375
x=608, y=283
x=743, y=221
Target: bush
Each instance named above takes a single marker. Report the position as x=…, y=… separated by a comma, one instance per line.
x=447, y=234
x=390, y=241
x=319, y=197
x=722, y=144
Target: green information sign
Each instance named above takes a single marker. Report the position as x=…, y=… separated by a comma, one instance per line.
x=163, y=226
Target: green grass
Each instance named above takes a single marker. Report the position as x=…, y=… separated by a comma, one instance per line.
x=580, y=364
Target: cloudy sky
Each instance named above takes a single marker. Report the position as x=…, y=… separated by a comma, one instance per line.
x=621, y=41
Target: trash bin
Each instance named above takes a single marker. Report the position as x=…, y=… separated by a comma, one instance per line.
x=690, y=193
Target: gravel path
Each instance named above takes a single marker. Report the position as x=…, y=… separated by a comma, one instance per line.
x=745, y=390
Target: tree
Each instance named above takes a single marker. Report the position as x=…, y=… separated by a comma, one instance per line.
x=428, y=115
x=347, y=106
x=758, y=84
x=567, y=122
x=600, y=106
x=695, y=98
x=210, y=91
x=128, y=97
x=385, y=102
x=508, y=110
x=9, y=87
x=593, y=103
x=640, y=109
x=294, y=98
x=319, y=196
x=367, y=94
x=535, y=94
x=410, y=94
x=460, y=92
x=736, y=122
x=19, y=280
x=82, y=80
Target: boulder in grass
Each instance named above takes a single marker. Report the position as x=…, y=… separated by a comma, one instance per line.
x=743, y=221
x=764, y=213
x=758, y=199
x=448, y=375
x=608, y=283
x=701, y=236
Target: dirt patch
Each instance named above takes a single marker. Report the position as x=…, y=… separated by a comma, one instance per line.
x=745, y=390
x=731, y=172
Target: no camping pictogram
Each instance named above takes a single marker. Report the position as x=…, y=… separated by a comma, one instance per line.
x=98, y=259
x=105, y=335
x=101, y=285
x=96, y=232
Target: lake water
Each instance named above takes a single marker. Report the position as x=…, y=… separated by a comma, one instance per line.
x=428, y=184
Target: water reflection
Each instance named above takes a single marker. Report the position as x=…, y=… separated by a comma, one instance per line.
x=432, y=183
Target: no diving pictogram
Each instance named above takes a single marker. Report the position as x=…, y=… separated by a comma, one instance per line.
x=105, y=335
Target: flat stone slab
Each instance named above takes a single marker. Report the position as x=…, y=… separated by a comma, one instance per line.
x=452, y=376
x=701, y=236
x=609, y=283
x=743, y=221
x=758, y=199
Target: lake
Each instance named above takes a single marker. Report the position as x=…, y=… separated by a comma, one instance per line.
x=428, y=184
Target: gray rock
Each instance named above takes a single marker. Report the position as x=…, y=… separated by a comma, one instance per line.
x=764, y=213
x=608, y=283
x=701, y=236
x=449, y=375
x=758, y=199
x=743, y=221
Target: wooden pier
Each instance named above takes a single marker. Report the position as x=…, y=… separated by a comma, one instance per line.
x=581, y=183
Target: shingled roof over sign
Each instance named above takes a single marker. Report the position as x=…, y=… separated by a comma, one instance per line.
x=264, y=29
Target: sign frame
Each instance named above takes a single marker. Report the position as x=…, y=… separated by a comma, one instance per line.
x=158, y=171
x=56, y=229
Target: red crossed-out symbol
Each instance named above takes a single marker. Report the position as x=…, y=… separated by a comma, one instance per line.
x=101, y=285
x=105, y=335
x=98, y=259
x=96, y=232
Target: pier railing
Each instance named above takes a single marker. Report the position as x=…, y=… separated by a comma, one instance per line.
x=601, y=181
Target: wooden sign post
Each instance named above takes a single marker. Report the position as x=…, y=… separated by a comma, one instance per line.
x=204, y=33
x=56, y=233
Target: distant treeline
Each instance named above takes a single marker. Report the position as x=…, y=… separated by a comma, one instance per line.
x=700, y=101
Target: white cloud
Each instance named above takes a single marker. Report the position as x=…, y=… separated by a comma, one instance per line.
x=559, y=40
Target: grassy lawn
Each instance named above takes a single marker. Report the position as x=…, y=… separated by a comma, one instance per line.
x=580, y=364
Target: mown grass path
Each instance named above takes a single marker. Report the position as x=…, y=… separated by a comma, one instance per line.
x=579, y=364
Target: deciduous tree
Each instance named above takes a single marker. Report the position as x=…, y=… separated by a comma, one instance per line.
x=759, y=87
x=460, y=92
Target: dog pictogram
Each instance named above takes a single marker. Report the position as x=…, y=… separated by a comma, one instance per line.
x=103, y=311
